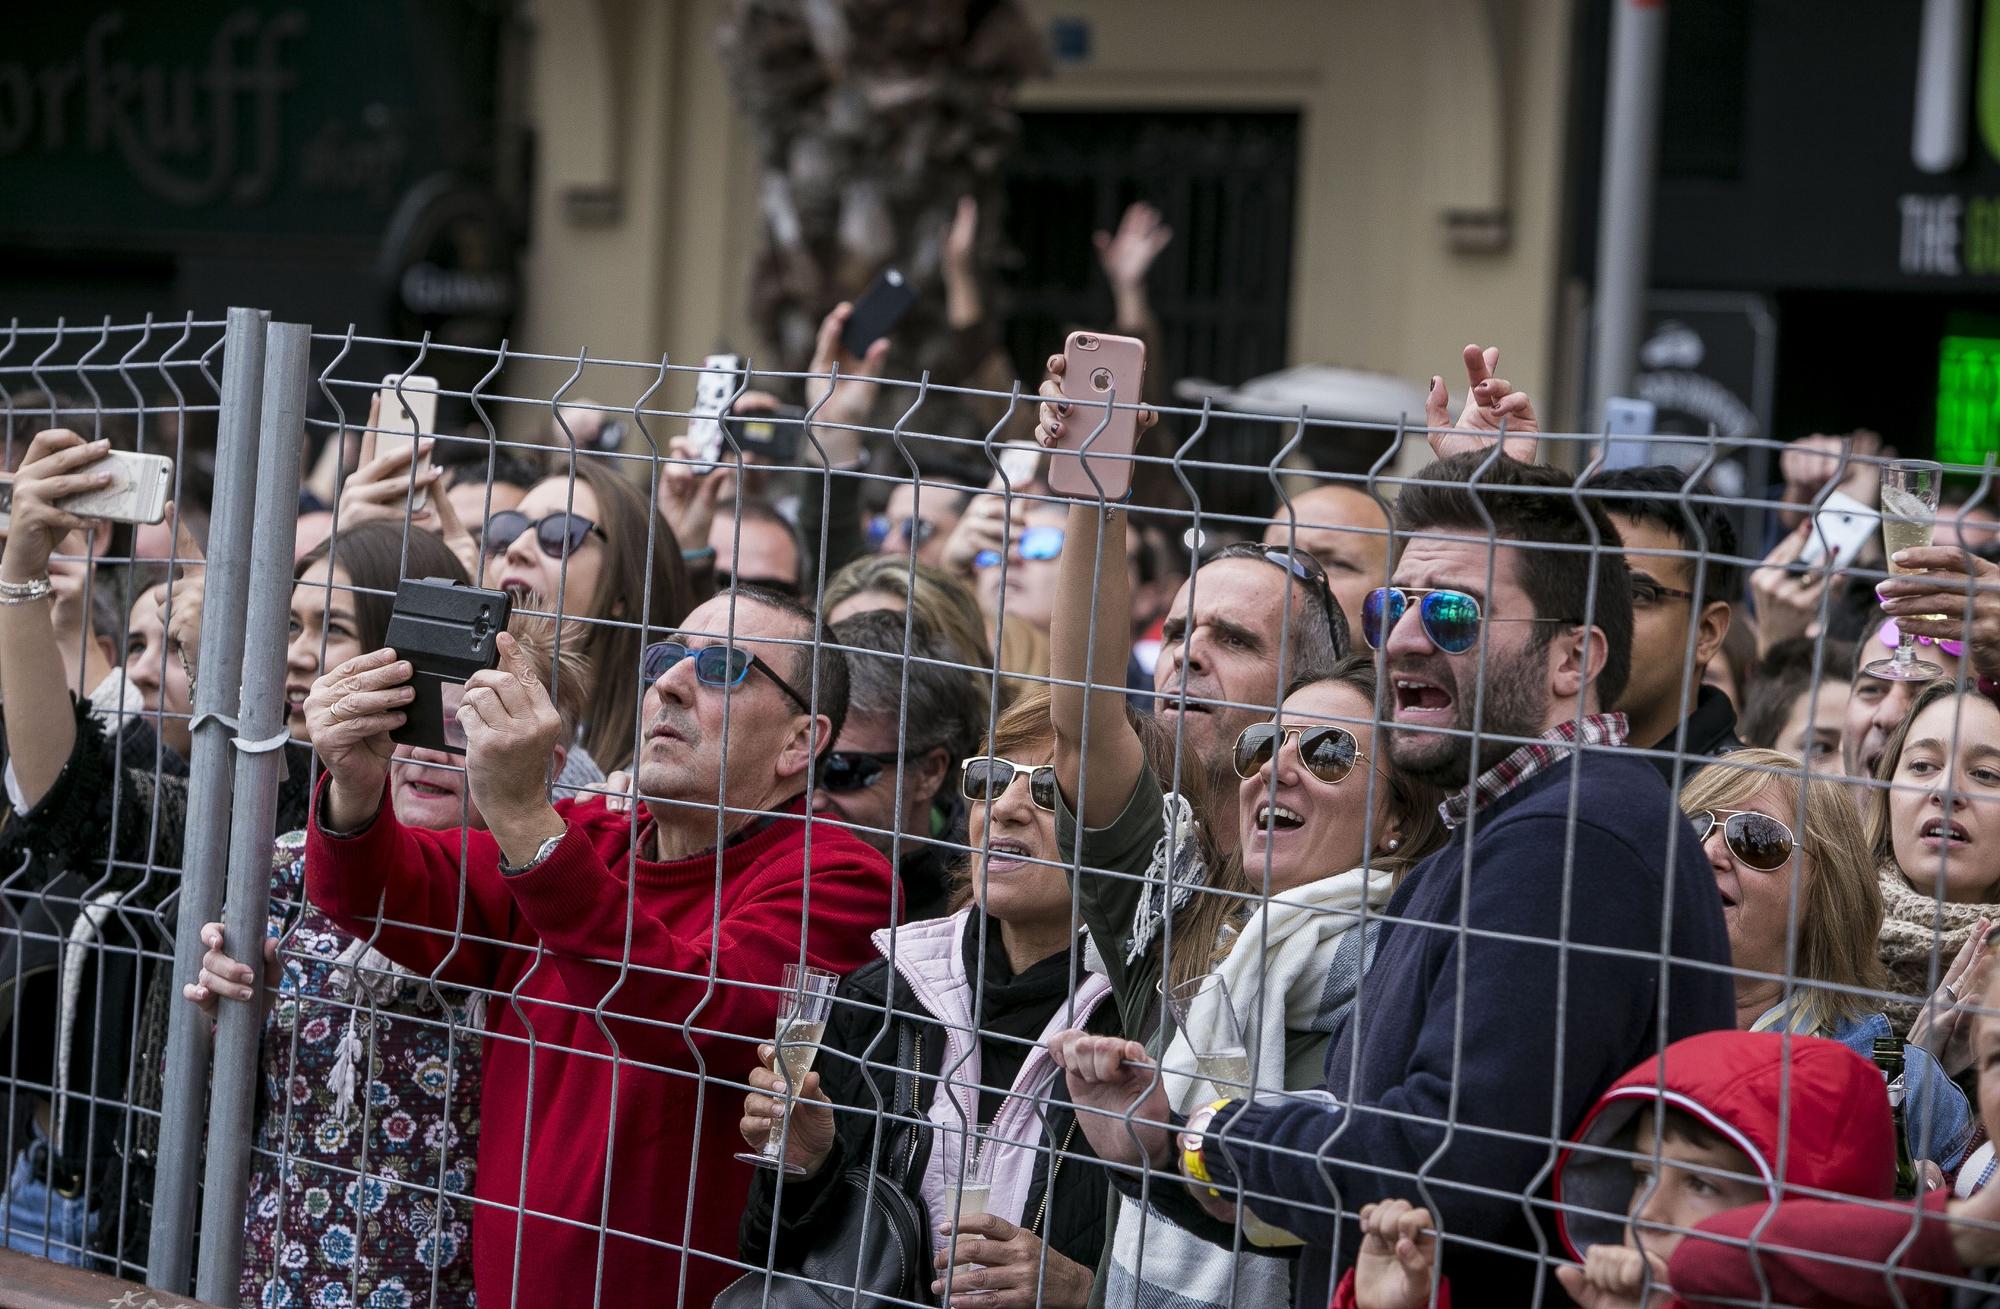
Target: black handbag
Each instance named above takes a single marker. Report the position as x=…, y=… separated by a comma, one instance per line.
x=875, y=1249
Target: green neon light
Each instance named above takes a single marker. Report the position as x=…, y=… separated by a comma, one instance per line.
x=1968, y=399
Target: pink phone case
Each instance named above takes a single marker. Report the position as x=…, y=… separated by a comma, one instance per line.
x=1100, y=368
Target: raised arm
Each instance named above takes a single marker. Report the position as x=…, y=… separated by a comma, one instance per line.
x=34, y=679
x=1093, y=593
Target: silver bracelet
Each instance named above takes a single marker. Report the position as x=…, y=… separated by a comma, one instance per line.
x=20, y=593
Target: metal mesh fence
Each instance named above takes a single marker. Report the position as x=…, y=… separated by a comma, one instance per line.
x=1323, y=809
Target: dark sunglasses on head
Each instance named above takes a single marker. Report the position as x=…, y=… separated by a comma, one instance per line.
x=1037, y=543
x=986, y=778
x=854, y=770
x=714, y=665
x=1329, y=753
x=1758, y=841
x=557, y=535
x=1302, y=566
x=916, y=530
x=1450, y=618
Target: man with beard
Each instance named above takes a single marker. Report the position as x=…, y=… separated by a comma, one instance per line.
x=1569, y=929
x=630, y=959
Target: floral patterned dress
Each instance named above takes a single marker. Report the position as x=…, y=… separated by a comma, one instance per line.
x=361, y=1181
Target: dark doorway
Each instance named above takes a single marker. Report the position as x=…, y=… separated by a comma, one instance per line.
x=1225, y=182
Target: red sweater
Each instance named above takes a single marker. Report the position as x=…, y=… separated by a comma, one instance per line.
x=613, y=1142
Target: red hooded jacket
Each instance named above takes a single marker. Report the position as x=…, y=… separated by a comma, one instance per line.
x=1838, y=1136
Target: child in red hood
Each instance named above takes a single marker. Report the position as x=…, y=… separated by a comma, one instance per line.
x=1823, y=1252
x=1676, y=1141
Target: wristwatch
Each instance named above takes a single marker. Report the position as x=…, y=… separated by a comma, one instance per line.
x=1192, y=1163
x=542, y=852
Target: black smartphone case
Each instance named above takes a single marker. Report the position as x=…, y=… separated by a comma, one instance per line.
x=448, y=632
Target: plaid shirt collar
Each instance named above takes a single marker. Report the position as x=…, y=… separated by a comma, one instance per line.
x=1537, y=756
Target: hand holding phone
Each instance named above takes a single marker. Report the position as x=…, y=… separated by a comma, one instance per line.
x=882, y=306
x=406, y=416
x=138, y=491
x=1843, y=527
x=1097, y=370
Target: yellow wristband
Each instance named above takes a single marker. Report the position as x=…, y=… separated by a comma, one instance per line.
x=1192, y=1163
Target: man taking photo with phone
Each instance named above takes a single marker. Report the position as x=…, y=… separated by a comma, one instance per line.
x=626, y=956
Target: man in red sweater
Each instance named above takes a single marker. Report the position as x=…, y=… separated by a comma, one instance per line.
x=630, y=959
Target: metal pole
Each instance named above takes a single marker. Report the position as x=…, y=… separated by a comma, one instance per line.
x=259, y=769
x=225, y=583
x=1625, y=196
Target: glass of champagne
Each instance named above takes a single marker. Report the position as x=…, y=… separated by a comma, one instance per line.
x=802, y=1015
x=1909, y=515
x=1202, y=1008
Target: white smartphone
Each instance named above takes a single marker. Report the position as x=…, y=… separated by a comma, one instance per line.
x=1845, y=527
x=720, y=376
x=402, y=421
x=137, y=494
x=1020, y=464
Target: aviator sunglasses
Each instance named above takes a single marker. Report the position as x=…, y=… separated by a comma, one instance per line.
x=557, y=534
x=1451, y=618
x=986, y=778
x=1758, y=841
x=1328, y=753
x=714, y=665
x=1037, y=543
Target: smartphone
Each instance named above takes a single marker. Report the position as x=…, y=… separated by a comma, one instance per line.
x=721, y=375
x=1020, y=464
x=1845, y=526
x=1100, y=368
x=773, y=435
x=403, y=420
x=6, y=504
x=137, y=494
x=447, y=631
x=877, y=312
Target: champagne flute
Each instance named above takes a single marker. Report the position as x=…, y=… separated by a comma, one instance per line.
x=802, y=1015
x=1909, y=516
x=1201, y=1008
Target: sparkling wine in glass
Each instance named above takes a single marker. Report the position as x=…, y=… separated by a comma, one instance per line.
x=1202, y=1009
x=1909, y=516
x=802, y=1015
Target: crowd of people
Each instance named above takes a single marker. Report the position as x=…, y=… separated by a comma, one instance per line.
x=1480, y=880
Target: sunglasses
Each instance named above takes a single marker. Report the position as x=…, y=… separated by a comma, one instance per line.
x=1451, y=619
x=1758, y=841
x=986, y=778
x=557, y=535
x=725, y=666
x=915, y=530
x=1037, y=543
x=1329, y=753
x=854, y=770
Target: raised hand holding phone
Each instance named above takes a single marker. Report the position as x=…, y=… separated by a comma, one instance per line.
x=1084, y=405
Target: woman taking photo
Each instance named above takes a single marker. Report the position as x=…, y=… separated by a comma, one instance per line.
x=979, y=992
x=369, y=1071
x=586, y=544
x=1800, y=901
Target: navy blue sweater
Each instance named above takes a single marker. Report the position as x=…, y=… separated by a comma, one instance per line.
x=1421, y=1050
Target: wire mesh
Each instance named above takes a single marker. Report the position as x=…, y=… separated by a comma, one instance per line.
x=494, y=1059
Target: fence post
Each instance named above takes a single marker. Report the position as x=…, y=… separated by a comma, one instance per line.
x=260, y=767
x=227, y=577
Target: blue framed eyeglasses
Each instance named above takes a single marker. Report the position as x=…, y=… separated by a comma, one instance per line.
x=724, y=666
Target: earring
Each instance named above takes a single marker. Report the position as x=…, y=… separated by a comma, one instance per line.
x=1392, y=843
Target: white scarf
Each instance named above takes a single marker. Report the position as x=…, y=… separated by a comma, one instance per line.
x=1292, y=968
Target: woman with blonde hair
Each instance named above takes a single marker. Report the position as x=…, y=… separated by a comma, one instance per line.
x=1800, y=900
x=943, y=603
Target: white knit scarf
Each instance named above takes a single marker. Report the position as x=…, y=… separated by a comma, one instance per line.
x=1294, y=968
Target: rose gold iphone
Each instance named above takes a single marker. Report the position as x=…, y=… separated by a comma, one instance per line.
x=1101, y=369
